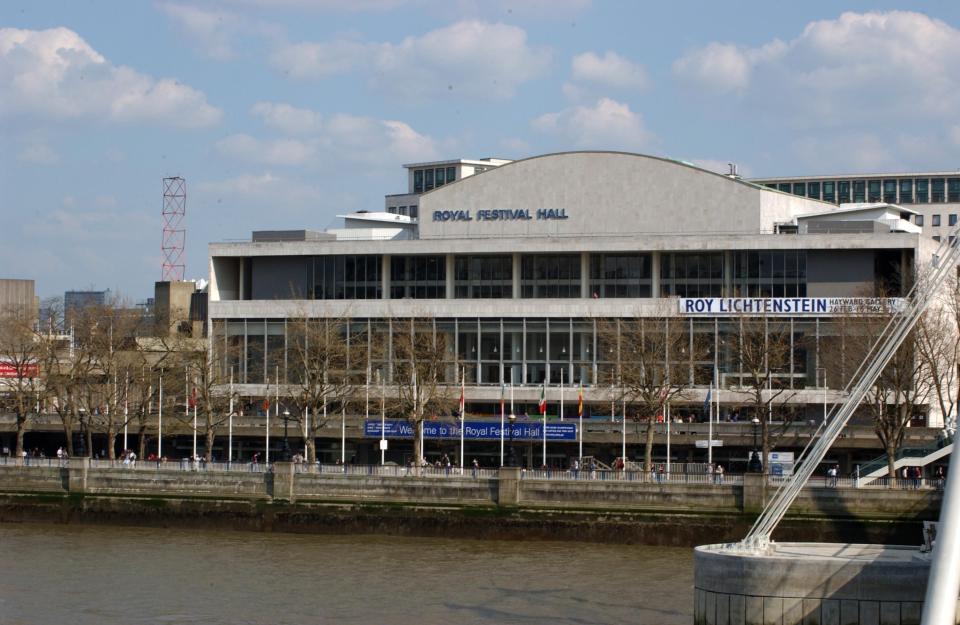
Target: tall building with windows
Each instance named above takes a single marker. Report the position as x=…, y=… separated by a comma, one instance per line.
x=935, y=196
x=522, y=266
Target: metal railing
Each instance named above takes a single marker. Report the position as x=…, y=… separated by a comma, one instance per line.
x=631, y=476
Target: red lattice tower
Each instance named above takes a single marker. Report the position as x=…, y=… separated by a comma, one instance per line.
x=174, y=232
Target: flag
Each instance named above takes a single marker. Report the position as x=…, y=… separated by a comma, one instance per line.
x=463, y=383
x=193, y=398
x=266, y=405
x=503, y=405
x=706, y=402
x=543, y=400
x=580, y=401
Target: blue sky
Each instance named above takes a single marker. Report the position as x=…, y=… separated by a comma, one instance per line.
x=284, y=113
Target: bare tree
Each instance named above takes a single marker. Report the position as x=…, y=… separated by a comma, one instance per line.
x=320, y=366
x=420, y=374
x=652, y=365
x=763, y=349
x=20, y=355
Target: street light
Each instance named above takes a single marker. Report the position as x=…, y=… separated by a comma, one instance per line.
x=755, y=465
x=511, y=460
x=819, y=369
x=286, y=441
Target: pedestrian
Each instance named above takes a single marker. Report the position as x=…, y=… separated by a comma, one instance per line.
x=832, y=476
x=476, y=467
x=718, y=474
x=576, y=468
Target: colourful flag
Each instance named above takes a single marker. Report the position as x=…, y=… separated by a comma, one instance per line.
x=463, y=400
x=580, y=401
x=543, y=400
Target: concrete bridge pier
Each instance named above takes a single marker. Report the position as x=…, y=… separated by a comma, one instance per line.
x=809, y=584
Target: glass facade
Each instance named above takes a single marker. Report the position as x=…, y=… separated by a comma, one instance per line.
x=620, y=275
x=347, y=277
x=530, y=351
x=770, y=273
x=691, y=274
x=418, y=277
x=892, y=190
x=550, y=275
x=483, y=277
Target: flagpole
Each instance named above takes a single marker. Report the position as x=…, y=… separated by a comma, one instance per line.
x=383, y=418
x=502, y=418
x=580, y=425
x=160, y=420
x=186, y=408
x=126, y=408
x=543, y=398
x=666, y=414
x=230, y=422
x=623, y=444
x=463, y=409
x=710, y=426
x=561, y=394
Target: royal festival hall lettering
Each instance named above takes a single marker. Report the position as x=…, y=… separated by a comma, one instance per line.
x=501, y=214
x=788, y=305
x=473, y=430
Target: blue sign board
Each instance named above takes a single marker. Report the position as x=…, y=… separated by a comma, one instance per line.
x=474, y=430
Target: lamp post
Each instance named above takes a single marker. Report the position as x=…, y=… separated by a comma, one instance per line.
x=511, y=460
x=824, y=378
x=286, y=441
x=755, y=465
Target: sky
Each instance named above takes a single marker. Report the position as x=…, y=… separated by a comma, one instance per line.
x=284, y=113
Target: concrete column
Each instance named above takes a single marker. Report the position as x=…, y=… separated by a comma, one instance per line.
x=508, y=482
x=516, y=275
x=754, y=492
x=728, y=274
x=77, y=478
x=283, y=474
x=585, y=275
x=241, y=295
x=451, y=268
x=654, y=274
x=385, y=276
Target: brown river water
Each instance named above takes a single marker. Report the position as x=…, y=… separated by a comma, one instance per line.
x=113, y=575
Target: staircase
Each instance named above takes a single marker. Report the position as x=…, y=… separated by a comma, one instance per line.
x=907, y=456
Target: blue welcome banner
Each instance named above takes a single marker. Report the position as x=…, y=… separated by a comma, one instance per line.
x=473, y=430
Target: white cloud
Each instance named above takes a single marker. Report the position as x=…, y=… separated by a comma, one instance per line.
x=471, y=58
x=211, y=30
x=860, y=67
x=606, y=125
x=276, y=152
x=56, y=74
x=38, y=154
x=610, y=70
x=288, y=119
x=337, y=138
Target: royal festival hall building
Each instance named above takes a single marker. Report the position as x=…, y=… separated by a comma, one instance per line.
x=523, y=266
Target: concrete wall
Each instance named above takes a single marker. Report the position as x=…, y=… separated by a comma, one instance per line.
x=604, y=193
x=509, y=490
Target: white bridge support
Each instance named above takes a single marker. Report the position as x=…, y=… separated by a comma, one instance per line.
x=856, y=576
x=943, y=583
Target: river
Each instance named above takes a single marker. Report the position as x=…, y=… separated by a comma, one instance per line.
x=114, y=575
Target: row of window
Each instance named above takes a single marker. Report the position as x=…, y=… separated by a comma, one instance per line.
x=891, y=190
x=935, y=219
x=426, y=179
x=760, y=273
x=538, y=350
x=410, y=211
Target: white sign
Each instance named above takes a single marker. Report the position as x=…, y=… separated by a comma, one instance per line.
x=383, y=444
x=703, y=444
x=780, y=463
x=788, y=305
